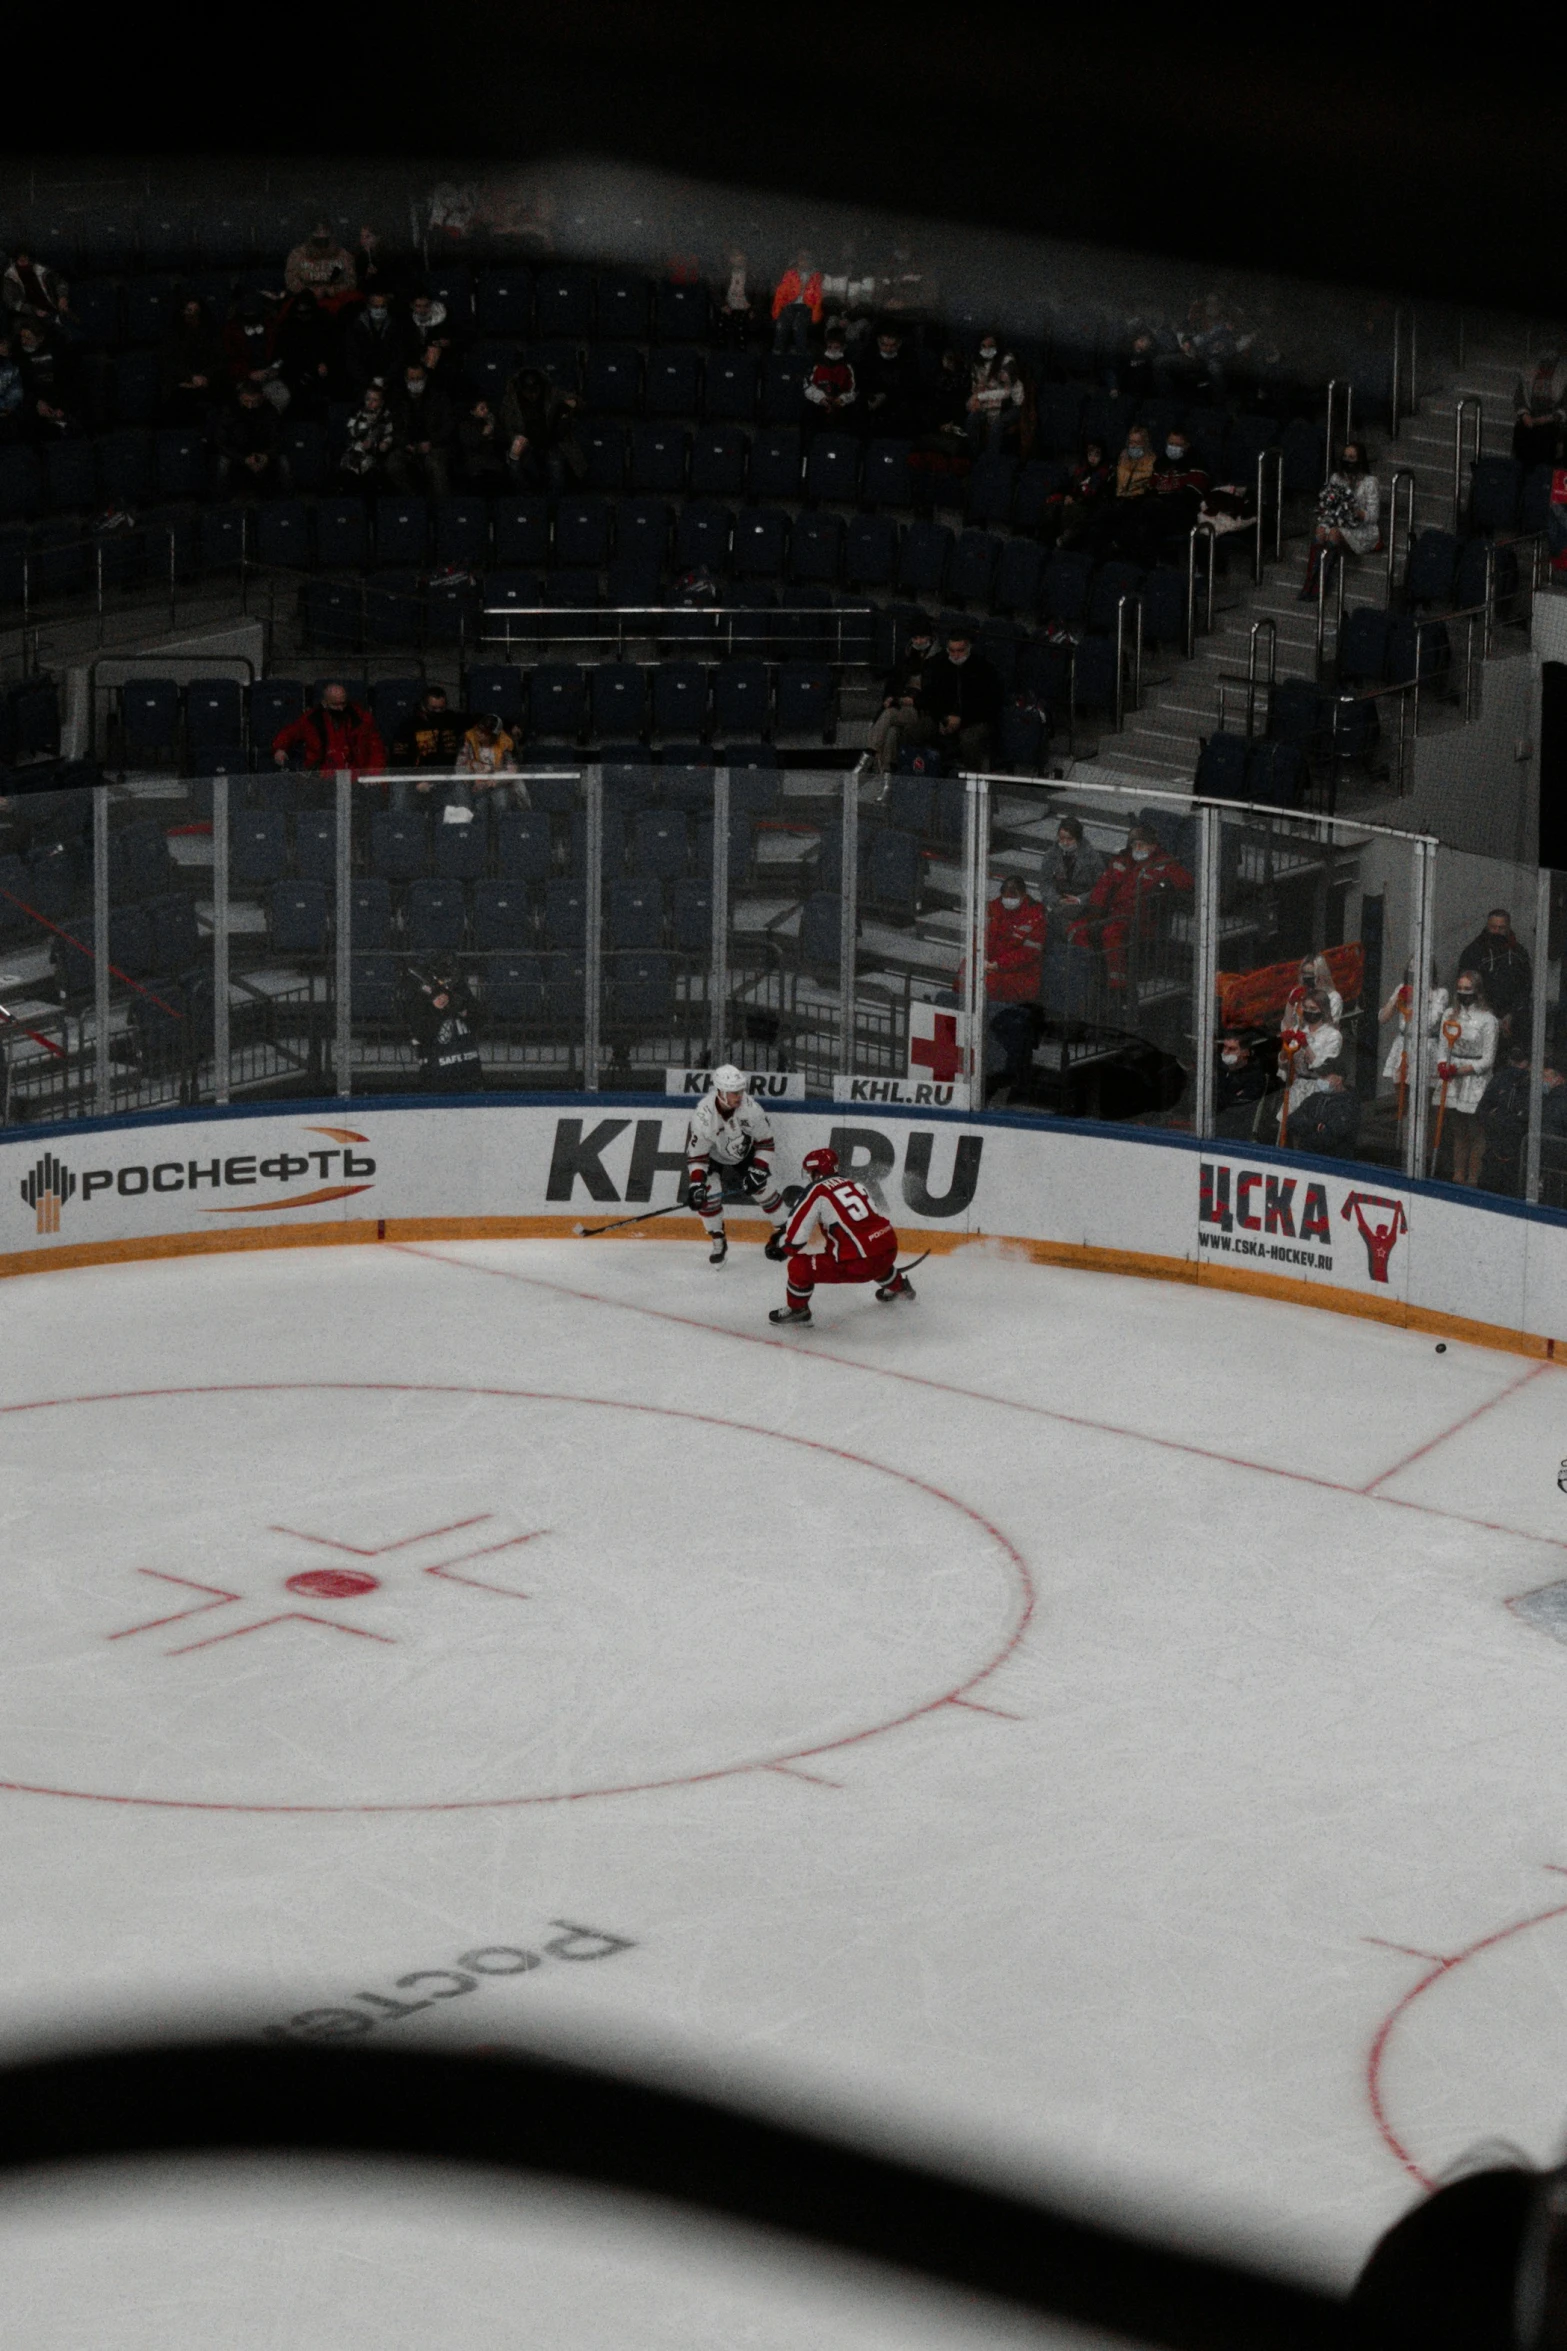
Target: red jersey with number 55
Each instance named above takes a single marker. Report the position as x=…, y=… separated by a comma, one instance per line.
x=847, y=1218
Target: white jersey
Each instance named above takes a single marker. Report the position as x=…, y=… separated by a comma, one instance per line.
x=725, y=1141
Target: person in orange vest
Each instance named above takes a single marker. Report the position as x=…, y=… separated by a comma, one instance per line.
x=797, y=304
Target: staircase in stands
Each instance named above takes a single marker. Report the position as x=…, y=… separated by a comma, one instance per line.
x=1161, y=740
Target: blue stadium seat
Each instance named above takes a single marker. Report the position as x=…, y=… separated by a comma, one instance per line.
x=718, y=462
x=603, y=445
x=783, y=390
x=1062, y=588
x=514, y=591
x=741, y=836
x=180, y=464
x=923, y=558
x=973, y=569
x=776, y=463
x=890, y=873
x=375, y=991
x=887, y=478
x=1038, y=486
x=691, y=916
x=622, y=306
x=151, y=307
x=452, y=283
x=21, y=484
x=702, y=536
x=1059, y=410
x=612, y=385
x=282, y=536
x=681, y=314
x=815, y=547
x=96, y=311
x=370, y=911
x=870, y=553
x=297, y=918
x=522, y=532
x=391, y=701
x=502, y=916
x=619, y=701
x=674, y=381
x=564, y=308
x=258, y=847
x=740, y=697
x=1112, y=581
x=274, y=703
x=497, y=686
x=990, y=489
x=804, y=698
x=761, y=534
x=176, y=935
x=125, y=467
x=435, y=919
x=1164, y=606
x=149, y=715
x=136, y=394
x=513, y=990
x=1495, y=489
x=213, y=709
x=660, y=843
x=557, y=701
x=524, y=845
x=1276, y=775
x=658, y=459
x=503, y=303
x=565, y=913
x=462, y=531
x=342, y=534
x=402, y=532
x=489, y=368
x=1022, y=739
x=731, y=386
x=634, y=913
x=1094, y=674
x=315, y=845
x=1362, y=645
x=582, y=532
x=641, y=990
x=832, y=467
x=1221, y=767
x=131, y=946
x=399, y=845
x=642, y=527
x=70, y=475
x=461, y=851
x=1432, y=565
x=680, y=698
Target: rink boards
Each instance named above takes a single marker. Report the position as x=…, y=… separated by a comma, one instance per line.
x=1118, y=1200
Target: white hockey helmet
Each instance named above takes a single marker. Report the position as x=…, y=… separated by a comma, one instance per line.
x=728, y=1079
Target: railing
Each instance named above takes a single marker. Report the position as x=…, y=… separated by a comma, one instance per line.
x=731, y=626
x=1467, y=407
x=1332, y=442
x=1401, y=477
x=1206, y=532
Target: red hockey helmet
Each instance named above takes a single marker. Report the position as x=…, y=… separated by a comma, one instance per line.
x=818, y=1164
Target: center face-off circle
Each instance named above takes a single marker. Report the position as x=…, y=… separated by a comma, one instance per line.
x=361, y=1597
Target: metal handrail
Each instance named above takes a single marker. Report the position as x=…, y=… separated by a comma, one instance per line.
x=1465, y=405
x=1136, y=603
x=1264, y=621
x=1338, y=569
x=1400, y=474
x=1336, y=385
x=1198, y=530
x=619, y=614
x=1265, y=459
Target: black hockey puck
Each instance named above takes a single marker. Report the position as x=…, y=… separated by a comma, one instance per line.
x=1441, y=1346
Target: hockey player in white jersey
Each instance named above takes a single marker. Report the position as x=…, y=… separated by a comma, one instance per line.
x=729, y=1145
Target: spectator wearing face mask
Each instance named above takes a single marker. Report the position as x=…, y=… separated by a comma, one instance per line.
x=1124, y=904
x=890, y=386
x=1242, y=1079
x=831, y=386
x=372, y=435
x=1501, y=959
x=192, y=367
x=1504, y=1121
x=1180, y=487
x=336, y=733
x=1397, y=1008
x=481, y=448
x=1465, y=1060
x=797, y=304
x=1304, y=1052
x=378, y=345
x=995, y=397
x=902, y=722
x=1119, y=521
x=1072, y=867
x=1072, y=512
x=1349, y=516
x=429, y=743
x=420, y=456
x=1314, y=978
x=962, y=699
x=322, y=266
x=429, y=324
x=1014, y=965
x=1328, y=1120
x=250, y=353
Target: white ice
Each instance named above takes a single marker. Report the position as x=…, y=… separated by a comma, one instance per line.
x=1071, y=1727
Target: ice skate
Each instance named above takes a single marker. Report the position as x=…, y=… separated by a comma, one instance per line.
x=720, y=1249
x=899, y=1287
x=790, y=1314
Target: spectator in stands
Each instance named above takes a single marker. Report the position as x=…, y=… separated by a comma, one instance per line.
x=1126, y=901
x=1180, y=490
x=1504, y=1121
x=797, y=304
x=1243, y=1077
x=902, y=721
x=946, y=410
x=1553, y=1130
x=962, y=699
x=47, y=404
x=377, y=345
x=371, y=268
x=429, y=745
x=736, y=311
x=1014, y=964
x=30, y=289
x=539, y=425
x=995, y=397
x=310, y=349
x=1306, y=1050
x=249, y=444
x=1506, y=973
x=1134, y=376
x=1070, y=870
x=1466, y=1056
x=489, y=755
x=1313, y=978
x=1328, y=1120
x=1071, y=513
x=831, y=387
x=372, y=436
x=321, y=266
x=425, y=428
x=1397, y=1008
x=481, y=448
x=1118, y=521
x=889, y=385
x=849, y=296
x=429, y=322
x=336, y=733
x=250, y=352
x=11, y=395
x=1349, y=515
x=1540, y=412
x=191, y=366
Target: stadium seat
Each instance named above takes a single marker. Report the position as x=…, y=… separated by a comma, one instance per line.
x=783, y=390
x=740, y=697
x=399, y=845
x=641, y=988
x=342, y=534
x=176, y=935
x=730, y=387
x=624, y=305
x=370, y=911
x=149, y=716
x=776, y=462
x=816, y=548
x=213, y=708
x=503, y=303
x=923, y=558
x=402, y=532
x=990, y=488
x=888, y=481
x=375, y=989
x=582, y=531
x=658, y=459
x=972, y=572
x=282, y=534
x=870, y=551
x=674, y=382
x=391, y=701
x=832, y=467
x=524, y=845
x=1022, y=738
x=502, y=916
x=1362, y=646
x=719, y=455
x=619, y=701
x=681, y=313
x=1112, y=581
x=1062, y=591
x=1430, y=570
x=660, y=843
x=565, y=913
x=804, y=699
x=612, y=385
x=297, y=918
x=258, y=848
x=522, y=533
x=462, y=531
x=497, y=687
x=760, y=537
x=691, y=916
x=1495, y=490
x=634, y=913
x=180, y=464
x=435, y=919
x=1221, y=767
x=603, y=444
x=557, y=702
x=679, y=698
x=702, y=536
x=315, y=846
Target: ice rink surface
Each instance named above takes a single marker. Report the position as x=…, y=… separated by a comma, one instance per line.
x=1098, y=1733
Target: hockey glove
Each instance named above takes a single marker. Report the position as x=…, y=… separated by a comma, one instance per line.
x=757, y=1179
x=697, y=1196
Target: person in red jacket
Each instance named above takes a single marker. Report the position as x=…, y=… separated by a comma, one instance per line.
x=337, y=733
x=1125, y=898
x=797, y=305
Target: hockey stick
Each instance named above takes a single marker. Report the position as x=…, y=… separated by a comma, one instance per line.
x=591, y=1232
x=914, y=1261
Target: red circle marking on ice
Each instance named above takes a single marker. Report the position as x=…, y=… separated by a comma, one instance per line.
x=957, y=1695
x=333, y=1583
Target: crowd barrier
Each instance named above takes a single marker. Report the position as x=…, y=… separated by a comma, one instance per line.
x=1143, y=1202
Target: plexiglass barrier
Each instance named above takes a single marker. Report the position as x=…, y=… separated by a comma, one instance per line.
x=1054, y=949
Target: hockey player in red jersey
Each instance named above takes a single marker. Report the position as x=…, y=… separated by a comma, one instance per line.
x=856, y=1244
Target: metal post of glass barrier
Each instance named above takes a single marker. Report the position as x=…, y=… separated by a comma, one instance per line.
x=343, y=974
x=1417, y=1033
x=220, y=940
x=593, y=928
x=100, y=946
x=849, y=911
x=976, y=868
x=1540, y=995
x=1205, y=967
x=718, y=970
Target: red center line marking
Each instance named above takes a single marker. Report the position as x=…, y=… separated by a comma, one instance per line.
x=1071, y=1420
x=1478, y=1413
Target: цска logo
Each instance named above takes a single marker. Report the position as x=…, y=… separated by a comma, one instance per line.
x=46, y=1190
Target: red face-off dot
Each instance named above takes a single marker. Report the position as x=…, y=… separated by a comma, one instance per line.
x=333, y=1583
